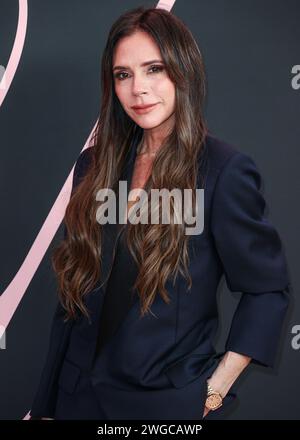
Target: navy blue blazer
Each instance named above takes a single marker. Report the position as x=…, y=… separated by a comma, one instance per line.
x=156, y=367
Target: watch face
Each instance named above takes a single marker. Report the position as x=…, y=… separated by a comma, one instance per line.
x=213, y=401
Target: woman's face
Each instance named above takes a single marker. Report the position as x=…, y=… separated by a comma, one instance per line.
x=138, y=84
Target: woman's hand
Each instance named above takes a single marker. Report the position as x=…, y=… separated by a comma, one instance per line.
x=228, y=370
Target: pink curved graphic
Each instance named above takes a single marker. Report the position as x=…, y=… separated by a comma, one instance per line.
x=16, y=52
x=165, y=4
x=13, y=294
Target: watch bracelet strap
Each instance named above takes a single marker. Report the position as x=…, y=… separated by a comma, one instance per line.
x=211, y=391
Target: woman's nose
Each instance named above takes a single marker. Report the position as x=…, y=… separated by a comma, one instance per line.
x=139, y=85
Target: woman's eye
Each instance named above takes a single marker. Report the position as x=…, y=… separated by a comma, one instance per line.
x=118, y=75
x=155, y=69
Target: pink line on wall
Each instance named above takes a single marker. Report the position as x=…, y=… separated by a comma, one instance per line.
x=16, y=52
x=165, y=4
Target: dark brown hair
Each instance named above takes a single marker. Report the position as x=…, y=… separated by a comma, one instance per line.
x=160, y=250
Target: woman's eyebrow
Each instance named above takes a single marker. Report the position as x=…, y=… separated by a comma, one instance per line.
x=146, y=63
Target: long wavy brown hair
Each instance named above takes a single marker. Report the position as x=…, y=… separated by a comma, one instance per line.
x=159, y=250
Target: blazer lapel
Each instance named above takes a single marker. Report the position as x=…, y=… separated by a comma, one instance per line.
x=110, y=317
x=111, y=232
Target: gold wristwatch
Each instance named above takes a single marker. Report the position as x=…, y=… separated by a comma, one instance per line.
x=214, y=399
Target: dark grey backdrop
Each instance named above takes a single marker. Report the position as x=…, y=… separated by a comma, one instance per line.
x=249, y=49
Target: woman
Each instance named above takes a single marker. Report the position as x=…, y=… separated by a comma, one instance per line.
x=132, y=337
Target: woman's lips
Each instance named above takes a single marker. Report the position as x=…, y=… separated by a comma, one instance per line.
x=141, y=111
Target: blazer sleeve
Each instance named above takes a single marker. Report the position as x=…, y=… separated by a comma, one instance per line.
x=45, y=398
x=253, y=259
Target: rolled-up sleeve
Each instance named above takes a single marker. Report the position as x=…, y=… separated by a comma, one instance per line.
x=253, y=259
